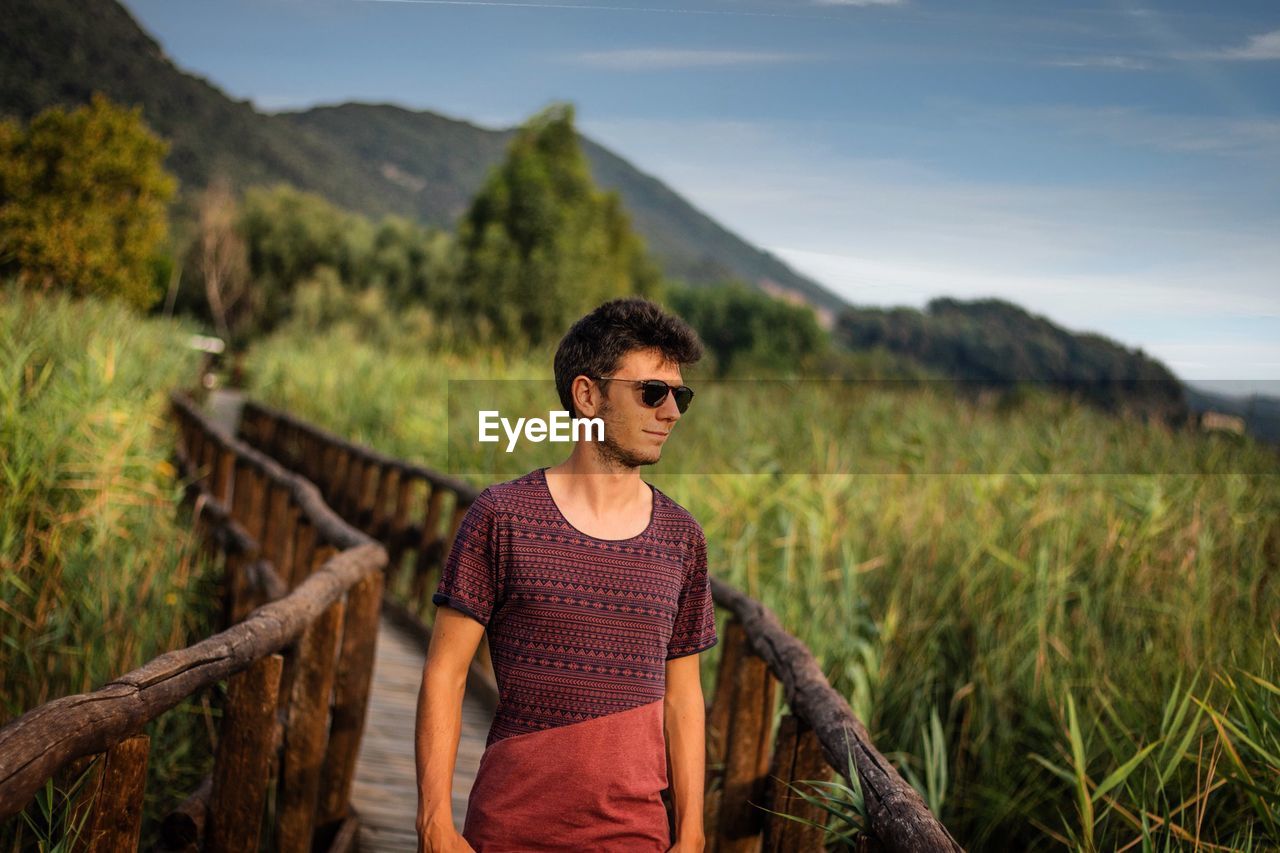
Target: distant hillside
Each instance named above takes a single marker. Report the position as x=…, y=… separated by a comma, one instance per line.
x=373, y=159
x=993, y=342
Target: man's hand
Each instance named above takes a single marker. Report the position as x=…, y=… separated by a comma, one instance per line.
x=440, y=837
x=688, y=846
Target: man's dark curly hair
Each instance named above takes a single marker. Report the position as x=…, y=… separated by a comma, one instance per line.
x=596, y=344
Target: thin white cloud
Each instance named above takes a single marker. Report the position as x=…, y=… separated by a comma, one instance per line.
x=651, y=59
x=1114, y=63
x=591, y=7
x=1256, y=139
x=1262, y=47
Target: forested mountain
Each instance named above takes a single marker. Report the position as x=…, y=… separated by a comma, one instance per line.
x=994, y=342
x=372, y=159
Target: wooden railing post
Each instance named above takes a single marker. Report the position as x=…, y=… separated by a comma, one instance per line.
x=338, y=478
x=350, y=696
x=304, y=547
x=746, y=758
x=364, y=508
x=796, y=755
x=113, y=799
x=734, y=646
x=305, y=732
x=223, y=473
x=399, y=525
x=237, y=562
x=272, y=538
x=244, y=756
x=429, y=546
x=740, y=726
x=287, y=541
x=388, y=479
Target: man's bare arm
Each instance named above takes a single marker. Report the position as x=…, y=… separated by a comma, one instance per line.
x=454, y=640
x=686, y=732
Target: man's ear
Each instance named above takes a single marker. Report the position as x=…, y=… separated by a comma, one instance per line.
x=585, y=396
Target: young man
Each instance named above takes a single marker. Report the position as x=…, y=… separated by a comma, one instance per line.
x=593, y=588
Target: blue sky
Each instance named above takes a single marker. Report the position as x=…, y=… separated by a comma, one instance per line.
x=1114, y=166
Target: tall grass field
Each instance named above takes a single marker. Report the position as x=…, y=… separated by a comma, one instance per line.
x=98, y=570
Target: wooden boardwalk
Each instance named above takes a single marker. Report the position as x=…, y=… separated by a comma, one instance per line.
x=385, y=792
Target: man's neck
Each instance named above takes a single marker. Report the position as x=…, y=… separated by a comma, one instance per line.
x=607, y=490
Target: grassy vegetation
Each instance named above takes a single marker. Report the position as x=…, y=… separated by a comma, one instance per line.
x=1054, y=657
x=98, y=571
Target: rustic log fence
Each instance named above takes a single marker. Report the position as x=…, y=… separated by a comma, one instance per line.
x=415, y=512
x=303, y=596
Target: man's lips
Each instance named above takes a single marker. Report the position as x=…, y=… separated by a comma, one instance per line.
x=652, y=432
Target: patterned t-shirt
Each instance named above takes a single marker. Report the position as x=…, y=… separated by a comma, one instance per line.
x=580, y=630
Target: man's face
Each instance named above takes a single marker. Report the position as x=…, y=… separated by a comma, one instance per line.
x=633, y=432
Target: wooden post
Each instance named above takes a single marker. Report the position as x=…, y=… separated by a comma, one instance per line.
x=305, y=732
x=428, y=546
x=223, y=473
x=718, y=720
x=459, y=511
x=117, y=815
x=388, y=479
x=364, y=508
x=746, y=756
x=255, y=521
x=314, y=457
x=343, y=498
x=244, y=754
x=248, y=424
x=277, y=502
x=287, y=536
x=351, y=696
x=112, y=798
x=399, y=522
x=267, y=441
x=195, y=450
x=338, y=478
x=796, y=756
x=238, y=599
x=304, y=547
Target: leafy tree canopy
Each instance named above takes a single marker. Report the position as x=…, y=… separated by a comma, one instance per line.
x=541, y=245
x=83, y=202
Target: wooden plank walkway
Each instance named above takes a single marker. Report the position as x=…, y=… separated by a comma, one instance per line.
x=385, y=791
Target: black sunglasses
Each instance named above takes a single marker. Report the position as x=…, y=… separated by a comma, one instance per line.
x=654, y=391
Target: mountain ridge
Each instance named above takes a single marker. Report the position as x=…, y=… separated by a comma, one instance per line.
x=60, y=51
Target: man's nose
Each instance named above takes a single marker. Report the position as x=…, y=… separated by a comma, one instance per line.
x=669, y=410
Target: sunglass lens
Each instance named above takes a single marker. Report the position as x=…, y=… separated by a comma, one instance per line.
x=684, y=395
x=654, y=393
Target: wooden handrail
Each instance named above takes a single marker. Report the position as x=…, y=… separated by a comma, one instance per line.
x=898, y=815
x=758, y=655
x=250, y=508
x=460, y=487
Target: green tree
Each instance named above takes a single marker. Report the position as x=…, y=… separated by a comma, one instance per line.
x=541, y=245
x=83, y=201
x=743, y=328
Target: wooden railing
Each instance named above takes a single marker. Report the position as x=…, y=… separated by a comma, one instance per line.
x=415, y=512
x=304, y=590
